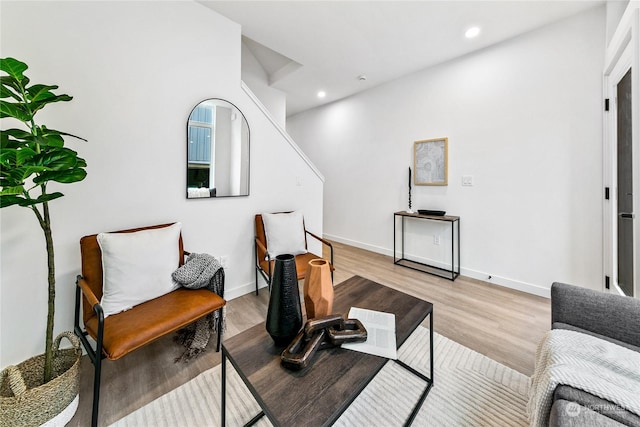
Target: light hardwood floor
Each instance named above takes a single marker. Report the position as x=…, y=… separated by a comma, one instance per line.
x=500, y=323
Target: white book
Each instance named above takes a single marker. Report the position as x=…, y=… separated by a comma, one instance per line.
x=381, y=333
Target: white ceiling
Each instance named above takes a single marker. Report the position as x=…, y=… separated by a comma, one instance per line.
x=307, y=46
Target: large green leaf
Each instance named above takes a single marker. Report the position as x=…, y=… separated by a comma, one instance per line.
x=13, y=67
x=82, y=163
x=15, y=110
x=47, y=131
x=8, y=156
x=24, y=155
x=43, y=198
x=21, y=173
x=10, y=199
x=38, y=105
x=7, y=91
x=13, y=83
x=18, y=189
x=40, y=95
x=18, y=133
x=39, y=92
x=64, y=177
x=15, y=138
x=55, y=159
x=51, y=140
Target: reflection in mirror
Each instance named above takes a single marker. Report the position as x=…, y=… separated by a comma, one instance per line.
x=217, y=151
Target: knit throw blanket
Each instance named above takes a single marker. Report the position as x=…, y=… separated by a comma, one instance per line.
x=584, y=362
x=199, y=271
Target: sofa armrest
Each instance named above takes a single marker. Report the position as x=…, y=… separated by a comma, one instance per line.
x=610, y=315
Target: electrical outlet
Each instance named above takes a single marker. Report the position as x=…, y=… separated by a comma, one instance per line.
x=436, y=239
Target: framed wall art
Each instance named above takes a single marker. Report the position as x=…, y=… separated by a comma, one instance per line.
x=430, y=161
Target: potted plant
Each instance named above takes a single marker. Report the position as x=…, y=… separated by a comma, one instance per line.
x=30, y=159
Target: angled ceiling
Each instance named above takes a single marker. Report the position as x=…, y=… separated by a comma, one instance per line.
x=308, y=46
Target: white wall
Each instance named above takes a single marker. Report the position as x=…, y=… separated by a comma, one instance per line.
x=257, y=79
x=135, y=69
x=522, y=117
x=615, y=10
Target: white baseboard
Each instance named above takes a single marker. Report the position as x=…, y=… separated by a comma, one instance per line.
x=245, y=289
x=365, y=246
x=486, y=277
x=508, y=283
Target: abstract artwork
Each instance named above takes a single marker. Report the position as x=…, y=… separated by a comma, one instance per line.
x=431, y=161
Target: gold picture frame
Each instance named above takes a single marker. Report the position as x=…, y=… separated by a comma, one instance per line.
x=431, y=161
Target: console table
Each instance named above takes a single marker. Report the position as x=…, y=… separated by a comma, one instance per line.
x=447, y=273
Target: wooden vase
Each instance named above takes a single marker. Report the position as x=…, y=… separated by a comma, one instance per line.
x=318, y=289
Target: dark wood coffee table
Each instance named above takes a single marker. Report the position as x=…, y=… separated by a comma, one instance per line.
x=319, y=394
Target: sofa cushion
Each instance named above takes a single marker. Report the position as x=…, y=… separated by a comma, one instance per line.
x=596, y=404
x=571, y=414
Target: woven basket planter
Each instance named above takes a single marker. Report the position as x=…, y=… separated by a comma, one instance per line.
x=25, y=401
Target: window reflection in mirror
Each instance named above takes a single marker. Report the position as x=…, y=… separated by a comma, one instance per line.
x=217, y=151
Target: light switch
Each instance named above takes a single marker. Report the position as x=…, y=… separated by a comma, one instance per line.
x=467, y=180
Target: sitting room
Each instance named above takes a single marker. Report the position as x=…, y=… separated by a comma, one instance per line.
x=182, y=181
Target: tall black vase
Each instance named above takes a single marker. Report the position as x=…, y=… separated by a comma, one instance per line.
x=284, y=318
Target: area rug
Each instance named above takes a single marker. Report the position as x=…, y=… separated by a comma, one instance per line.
x=469, y=390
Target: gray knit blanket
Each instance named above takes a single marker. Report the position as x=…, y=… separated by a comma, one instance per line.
x=585, y=362
x=199, y=271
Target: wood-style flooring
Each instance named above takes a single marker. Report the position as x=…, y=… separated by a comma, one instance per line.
x=498, y=322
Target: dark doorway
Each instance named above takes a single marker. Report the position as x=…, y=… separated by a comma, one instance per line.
x=625, y=186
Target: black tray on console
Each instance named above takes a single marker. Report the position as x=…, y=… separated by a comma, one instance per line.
x=430, y=212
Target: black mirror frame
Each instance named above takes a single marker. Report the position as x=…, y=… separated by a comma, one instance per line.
x=248, y=150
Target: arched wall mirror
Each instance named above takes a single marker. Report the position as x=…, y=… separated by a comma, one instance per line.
x=217, y=150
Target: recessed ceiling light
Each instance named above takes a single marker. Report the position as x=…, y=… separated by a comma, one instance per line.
x=472, y=32
x=322, y=94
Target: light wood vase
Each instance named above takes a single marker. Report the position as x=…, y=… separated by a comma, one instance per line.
x=318, y=289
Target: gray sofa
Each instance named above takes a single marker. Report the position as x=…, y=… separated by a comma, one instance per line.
x=610, y=317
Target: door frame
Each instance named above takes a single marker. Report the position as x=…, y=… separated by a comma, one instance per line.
x=622, y=53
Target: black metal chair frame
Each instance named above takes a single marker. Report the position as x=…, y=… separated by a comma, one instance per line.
x=97, y=355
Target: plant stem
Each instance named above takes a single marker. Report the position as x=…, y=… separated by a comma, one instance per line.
x=46, y=227
x=45, y=224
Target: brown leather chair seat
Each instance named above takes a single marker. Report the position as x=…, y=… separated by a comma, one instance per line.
x=134, y=328
x=301, y=264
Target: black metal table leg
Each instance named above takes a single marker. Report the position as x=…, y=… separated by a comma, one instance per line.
x=431, y=346
x=223, y=409
x=428, y=380
x=255, y=419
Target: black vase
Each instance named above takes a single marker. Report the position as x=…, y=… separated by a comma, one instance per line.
x=284, y=318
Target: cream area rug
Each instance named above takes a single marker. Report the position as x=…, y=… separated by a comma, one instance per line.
x=469, y=390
